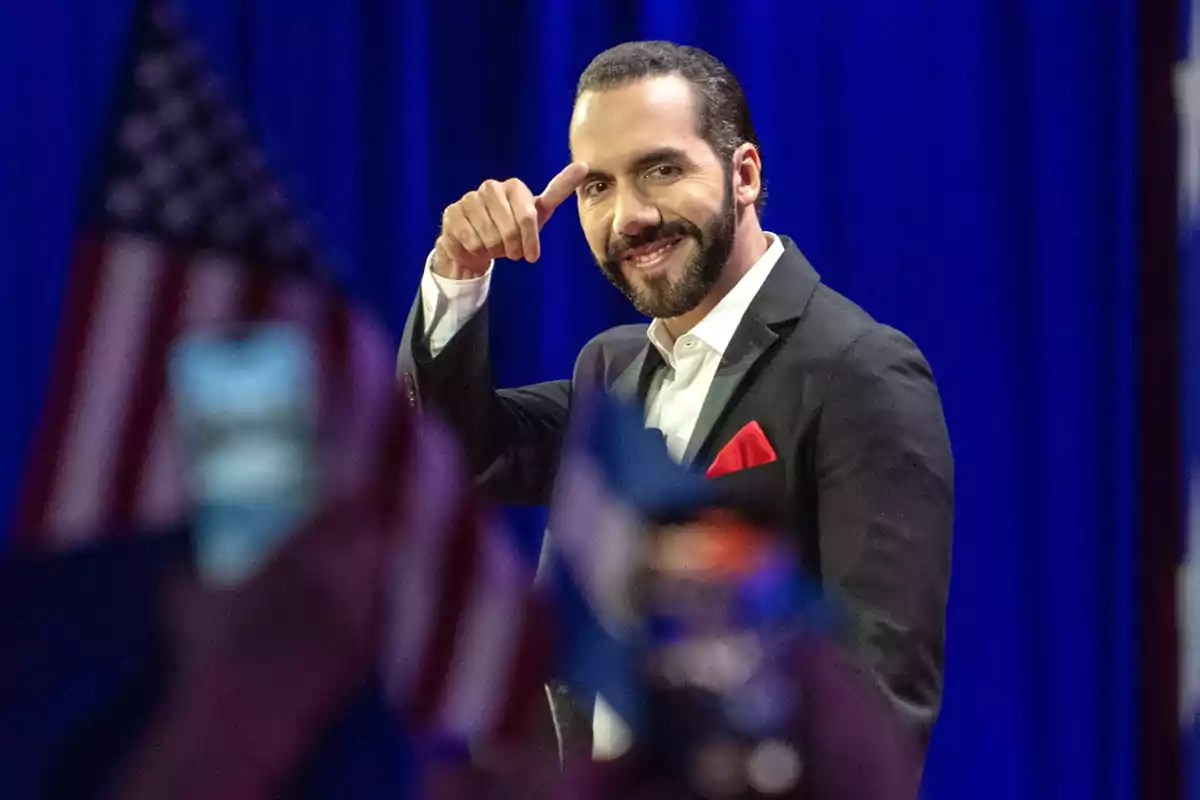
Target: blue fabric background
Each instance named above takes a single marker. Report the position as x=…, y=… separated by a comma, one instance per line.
x=964, y=170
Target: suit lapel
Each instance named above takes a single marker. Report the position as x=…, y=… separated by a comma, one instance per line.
x=782, y=299
x=633, y=384
x=751, y=341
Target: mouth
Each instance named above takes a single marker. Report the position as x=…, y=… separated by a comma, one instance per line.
x=652, y=255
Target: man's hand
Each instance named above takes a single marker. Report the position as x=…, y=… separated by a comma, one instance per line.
x=499, y=220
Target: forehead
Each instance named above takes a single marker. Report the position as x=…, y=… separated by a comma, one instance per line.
x=610, y=126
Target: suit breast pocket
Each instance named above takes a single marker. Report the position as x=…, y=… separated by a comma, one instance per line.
x=761, y=493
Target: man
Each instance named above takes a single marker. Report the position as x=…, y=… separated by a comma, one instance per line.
x=750, y=361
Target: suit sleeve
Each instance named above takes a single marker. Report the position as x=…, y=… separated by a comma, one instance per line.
x=511, y=436
x=885, y=483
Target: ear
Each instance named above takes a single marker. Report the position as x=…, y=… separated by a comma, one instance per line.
x=747, y=175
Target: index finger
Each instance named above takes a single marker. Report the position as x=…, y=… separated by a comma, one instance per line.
x=560, y=187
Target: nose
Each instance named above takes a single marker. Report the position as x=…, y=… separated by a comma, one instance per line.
x=632, y=214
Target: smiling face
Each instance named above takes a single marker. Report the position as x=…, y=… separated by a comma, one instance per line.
x=657, y=207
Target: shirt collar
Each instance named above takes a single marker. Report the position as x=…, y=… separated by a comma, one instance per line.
x=718, y=326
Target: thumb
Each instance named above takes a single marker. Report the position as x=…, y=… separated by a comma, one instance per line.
x=561, y=186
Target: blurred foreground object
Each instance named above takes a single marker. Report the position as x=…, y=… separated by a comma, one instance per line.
x=244, y=405
x=261, y=669
x=723, y=604
x=287, y=684
x=742, y=690
x=615, y=481
x=753, y=695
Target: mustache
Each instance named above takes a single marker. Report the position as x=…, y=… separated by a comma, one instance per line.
x=618, y=247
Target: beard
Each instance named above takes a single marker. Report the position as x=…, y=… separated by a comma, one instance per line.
x=660, y=296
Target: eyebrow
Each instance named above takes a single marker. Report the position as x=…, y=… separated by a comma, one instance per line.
x=646, y=160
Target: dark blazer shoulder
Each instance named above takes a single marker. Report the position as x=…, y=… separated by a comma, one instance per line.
x=622, y=337
x=845, y=334
x=833, y=322
x=609, y=353
x=812, y=316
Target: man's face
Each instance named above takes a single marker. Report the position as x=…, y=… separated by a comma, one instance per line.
x=657, y=206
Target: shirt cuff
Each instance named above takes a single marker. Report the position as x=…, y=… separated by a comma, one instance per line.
x=449, y=304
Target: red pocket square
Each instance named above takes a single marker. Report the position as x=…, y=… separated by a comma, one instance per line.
x=748, y=448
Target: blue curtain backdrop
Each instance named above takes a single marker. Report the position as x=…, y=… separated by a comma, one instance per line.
x=965, y=170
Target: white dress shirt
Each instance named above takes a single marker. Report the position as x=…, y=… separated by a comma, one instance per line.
x=677, y=393
x=672, y=404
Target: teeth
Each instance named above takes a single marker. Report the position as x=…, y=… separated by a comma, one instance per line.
x=647, y=257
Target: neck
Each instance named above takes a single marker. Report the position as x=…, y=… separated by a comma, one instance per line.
x=749, y=244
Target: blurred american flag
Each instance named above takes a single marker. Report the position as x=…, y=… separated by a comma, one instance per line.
x=187, y=230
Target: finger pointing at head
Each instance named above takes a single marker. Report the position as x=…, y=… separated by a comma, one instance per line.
x=561, y=186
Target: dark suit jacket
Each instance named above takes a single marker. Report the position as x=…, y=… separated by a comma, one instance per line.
x=864, y=475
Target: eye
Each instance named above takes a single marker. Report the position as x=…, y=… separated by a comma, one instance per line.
x=663, y=172
x=594, y=188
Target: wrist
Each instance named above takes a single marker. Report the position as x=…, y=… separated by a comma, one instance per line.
x=443, y=265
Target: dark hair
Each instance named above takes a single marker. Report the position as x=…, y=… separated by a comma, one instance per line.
x=723, y=115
